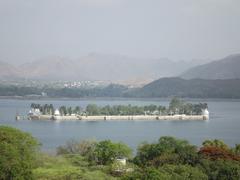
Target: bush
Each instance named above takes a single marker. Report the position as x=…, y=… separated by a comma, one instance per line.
x=215, y=153
x=183, y=172
x=106, y=152
x=69, y=166
x=162, y=152
x=167, y=172
x=220, y=169
x=76, y=147
x=101, y=153
x=17, y=154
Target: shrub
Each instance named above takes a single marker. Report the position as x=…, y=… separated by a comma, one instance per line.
x=220, y=169
x=215, y=153
x=162, y=152
x=183, y=172
x=17, y=154
x=106, y=152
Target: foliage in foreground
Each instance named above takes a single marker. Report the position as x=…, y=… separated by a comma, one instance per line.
x=100, y=153
x=167, y=172
x=67, y=167
x=17, y=154
x=168, y=158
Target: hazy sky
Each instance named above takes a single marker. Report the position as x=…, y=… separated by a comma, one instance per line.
x=178, y=29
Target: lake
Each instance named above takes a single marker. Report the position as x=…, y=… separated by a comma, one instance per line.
x=224, y=123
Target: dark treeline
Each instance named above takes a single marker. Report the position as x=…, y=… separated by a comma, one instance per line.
x=19, y=91
x=164, y=87
x=168, y=158
x=176, y=106
x=112, y=90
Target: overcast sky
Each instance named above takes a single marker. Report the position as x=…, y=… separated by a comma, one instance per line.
x=177, y=29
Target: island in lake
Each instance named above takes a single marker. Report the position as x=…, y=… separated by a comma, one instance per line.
x=177, y=110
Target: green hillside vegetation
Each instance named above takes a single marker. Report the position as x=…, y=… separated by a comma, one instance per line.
x=194, y=88
x=168, y=158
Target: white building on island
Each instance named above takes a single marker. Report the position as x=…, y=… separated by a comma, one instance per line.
x=56, y=112
x=205, y=113
x=34, y=112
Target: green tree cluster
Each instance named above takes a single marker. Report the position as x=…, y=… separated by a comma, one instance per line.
x=172, y=158
x=100, y=153
x=168, y=158
x=124, y=110
x=46, y=109
x=176, y=106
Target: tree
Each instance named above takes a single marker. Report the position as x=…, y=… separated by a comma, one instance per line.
x=84, y=148
x=63, y=110
x=164, y=158
x=215, y=153
x=69, y=110
x=153, y=173
x=215, y=143
x=220, y=169
x=236, y=149
x=106, y=152
x=45, y=109
x=188, y=109
x=183, y=172
x=92, y=109
x=51, y=109
x=166, y=148
x=17, y=154
x=162, y=109
x=175, y=104
x=71, y=147
x=197, y=108
x=167, y=172
x=103, y=152
x=77, y=110
x=33, y=105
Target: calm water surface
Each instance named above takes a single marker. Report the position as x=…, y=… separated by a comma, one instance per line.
x=224, y=123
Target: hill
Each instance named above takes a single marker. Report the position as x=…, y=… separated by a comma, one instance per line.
x=51, y=68
x=104, y=67
x=8, y=71
x=226, y=68
x=194, y=88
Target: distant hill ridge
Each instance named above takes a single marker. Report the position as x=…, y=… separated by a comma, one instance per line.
x=226, y=68
x=119, y=69
x=95, y=66
x=8, y=71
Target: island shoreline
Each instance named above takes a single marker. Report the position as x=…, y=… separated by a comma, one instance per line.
x=120, y=117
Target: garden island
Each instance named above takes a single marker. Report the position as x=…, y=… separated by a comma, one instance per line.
x=177, y=110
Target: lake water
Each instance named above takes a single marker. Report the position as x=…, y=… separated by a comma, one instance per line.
x=224, y=123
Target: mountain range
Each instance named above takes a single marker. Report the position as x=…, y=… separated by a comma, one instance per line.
x=119, y=69
x=94, y=66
